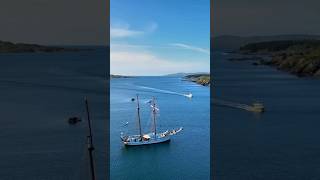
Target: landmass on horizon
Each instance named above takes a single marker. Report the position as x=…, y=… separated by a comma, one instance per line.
x=118, y=76
x=299, y=57
x=232, y=42
x=10, y=47
x=296, y=54
x=199, y=78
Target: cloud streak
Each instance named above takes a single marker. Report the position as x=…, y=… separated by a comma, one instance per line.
x=137, y=60
x=188, y=47
x=124, y=31
x=146, y=60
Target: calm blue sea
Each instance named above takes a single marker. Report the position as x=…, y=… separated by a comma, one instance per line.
x=280, y=144
x=38, y=92
x=186, y=156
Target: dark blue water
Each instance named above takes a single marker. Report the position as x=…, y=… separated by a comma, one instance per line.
x=186, y=156
x=282, y=143
x=38, y=92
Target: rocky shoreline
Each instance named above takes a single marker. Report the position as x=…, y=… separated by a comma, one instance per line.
x=301, y=58
x=202, y=79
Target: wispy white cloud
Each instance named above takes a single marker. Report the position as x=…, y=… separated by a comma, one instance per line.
x=124, y=31
x=188, y=47
x=125, y=45
x=137, y=60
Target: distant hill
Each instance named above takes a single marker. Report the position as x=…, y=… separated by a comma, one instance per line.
x=182, y=74
x=235, y=42
x=177, y=74
x=118, y=76
x=9, y=47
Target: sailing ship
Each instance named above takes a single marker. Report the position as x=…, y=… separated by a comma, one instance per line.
x=153, y=137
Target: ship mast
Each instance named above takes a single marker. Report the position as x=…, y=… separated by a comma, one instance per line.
x=154, y=117
x=90, y=143
x=138, y=112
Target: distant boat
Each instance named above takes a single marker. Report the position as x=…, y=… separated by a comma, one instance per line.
x=153, y=137
x=74, y=120
x=125, y=124
x=189, y=95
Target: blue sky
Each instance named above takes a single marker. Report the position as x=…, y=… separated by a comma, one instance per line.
x=156, y=37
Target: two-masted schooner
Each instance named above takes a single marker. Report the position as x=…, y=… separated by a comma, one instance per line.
x=153, y=137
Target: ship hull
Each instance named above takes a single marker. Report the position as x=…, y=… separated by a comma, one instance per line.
x=148, y=142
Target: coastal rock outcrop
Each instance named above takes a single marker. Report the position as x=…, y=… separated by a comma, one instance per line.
x=202, y=79
x=301, y=58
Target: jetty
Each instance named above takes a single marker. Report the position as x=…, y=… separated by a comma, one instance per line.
x=254, y=107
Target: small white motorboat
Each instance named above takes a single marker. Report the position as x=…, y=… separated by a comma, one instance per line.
x=189, y=95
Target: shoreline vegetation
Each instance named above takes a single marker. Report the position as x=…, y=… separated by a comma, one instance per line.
x=202, y=79
x=9, y=47
x=298, y=57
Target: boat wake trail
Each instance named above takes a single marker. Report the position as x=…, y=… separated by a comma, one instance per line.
x=165, y=91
